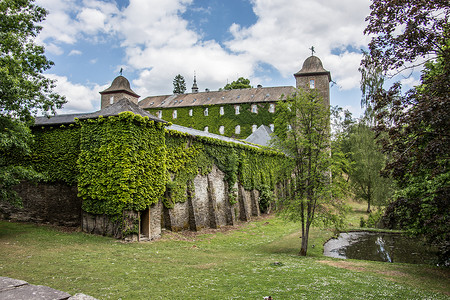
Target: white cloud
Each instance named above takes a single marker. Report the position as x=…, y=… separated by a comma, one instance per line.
x=80, y=98
x=75, y=52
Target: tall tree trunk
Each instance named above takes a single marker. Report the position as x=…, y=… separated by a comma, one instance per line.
x=368, y=199
x=305, y=238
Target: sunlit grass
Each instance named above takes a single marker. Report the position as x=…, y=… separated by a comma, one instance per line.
x=256, y=260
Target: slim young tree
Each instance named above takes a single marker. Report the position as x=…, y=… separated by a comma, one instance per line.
x=302, y=129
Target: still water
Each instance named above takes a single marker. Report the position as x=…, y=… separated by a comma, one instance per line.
x=387, y=247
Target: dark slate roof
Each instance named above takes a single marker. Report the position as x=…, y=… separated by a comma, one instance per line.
x=195, y=132
x=313, y=66
x=111, y=110
x=261, y=136
x=120, y=84
x=251, y=95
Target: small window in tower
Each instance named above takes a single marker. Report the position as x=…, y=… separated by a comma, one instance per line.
x=206, y=129
x=254, y=127
x=237, y=129
x=206, y=112
x=272, y=108
x=191, y=113
x=221, y=111
x=311, y=84
x=236, y=109
x=160, y=114
x=174, y=114
x=254, y=108
x=221, y=129
x=111, y=100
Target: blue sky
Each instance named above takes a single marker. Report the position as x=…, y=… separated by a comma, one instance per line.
x=154, y=40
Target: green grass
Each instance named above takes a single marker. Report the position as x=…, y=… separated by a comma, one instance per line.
x=235, y=264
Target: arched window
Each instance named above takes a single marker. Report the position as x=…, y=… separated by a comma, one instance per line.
x=221, y=111
x=206, y=112
x=237, y=129
x=206, y=129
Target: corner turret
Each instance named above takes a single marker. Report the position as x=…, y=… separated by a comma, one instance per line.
x=119, y=89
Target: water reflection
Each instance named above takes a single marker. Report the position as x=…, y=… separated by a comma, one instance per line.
x=387, y=247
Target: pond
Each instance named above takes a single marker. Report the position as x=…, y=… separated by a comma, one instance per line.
x=387, y=247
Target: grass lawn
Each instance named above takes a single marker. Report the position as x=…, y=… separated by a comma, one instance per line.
x=255, y=260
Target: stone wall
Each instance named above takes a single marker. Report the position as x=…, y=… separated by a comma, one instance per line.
x=207, y=206
x=55, y=203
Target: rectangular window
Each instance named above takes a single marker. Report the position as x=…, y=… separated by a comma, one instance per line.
x=206, y=112
x=221, y=111
x=311, y=84
x=272, y=108
x=236, y=109
x=159, y=114
x=254, y=108
x=190, y=113
x=174, y=114
x=111, y=100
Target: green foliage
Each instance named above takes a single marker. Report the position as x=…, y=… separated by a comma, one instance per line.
x=24, y=90
x=266, y=198
x=15, y=138
x=302, y=130
x=179, y=85
x=240, y=83
x=245, y=119
x=121, y=164
x=367, y=162
x=55, y=152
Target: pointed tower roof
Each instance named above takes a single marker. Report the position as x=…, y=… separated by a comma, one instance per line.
x=313, y=66
x=194, y=86
x=120, y=84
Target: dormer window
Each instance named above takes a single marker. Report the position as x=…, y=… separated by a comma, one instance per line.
x=311, y=84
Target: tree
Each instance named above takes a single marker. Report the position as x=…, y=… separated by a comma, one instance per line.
x=24, y=90
x=241, y=83
x=302, y=130
x=179, y=85
x=367, y=162
x=415, y=124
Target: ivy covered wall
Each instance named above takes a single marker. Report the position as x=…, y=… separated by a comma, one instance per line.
x=246, y=118
x=122, y=164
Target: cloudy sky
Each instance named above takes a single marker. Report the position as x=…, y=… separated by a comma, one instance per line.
x=220, y=40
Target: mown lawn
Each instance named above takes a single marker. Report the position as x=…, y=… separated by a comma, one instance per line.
x=258, y=259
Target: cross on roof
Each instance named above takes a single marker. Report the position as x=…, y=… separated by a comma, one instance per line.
x=312, y=50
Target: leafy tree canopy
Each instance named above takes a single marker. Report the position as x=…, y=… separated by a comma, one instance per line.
x=415, y=125
x=24, y=90
x=179, y=85
x=241, y=83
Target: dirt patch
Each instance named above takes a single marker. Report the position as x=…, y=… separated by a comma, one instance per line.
x=361, y=267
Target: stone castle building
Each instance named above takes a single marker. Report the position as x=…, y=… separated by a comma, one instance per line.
x=233, y=113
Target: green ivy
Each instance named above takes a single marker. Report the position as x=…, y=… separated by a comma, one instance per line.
x=214, y=120
x=55, y=152
x=122, y=164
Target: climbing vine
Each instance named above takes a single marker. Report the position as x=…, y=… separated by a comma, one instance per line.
x=245, y=119
x=121, y=163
